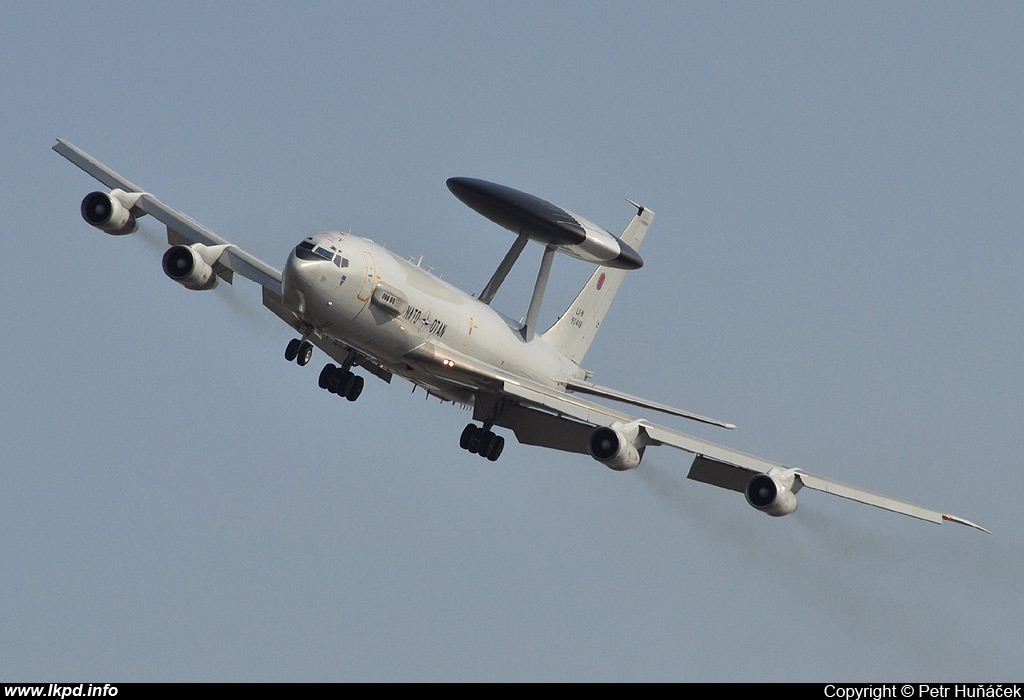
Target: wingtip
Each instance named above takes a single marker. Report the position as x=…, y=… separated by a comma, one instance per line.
x=964, y=521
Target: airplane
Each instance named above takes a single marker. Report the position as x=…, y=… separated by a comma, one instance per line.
x=368, y=309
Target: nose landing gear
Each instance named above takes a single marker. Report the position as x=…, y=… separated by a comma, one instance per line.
x=300, y=350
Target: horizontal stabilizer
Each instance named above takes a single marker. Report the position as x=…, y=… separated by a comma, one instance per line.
x=615, y=395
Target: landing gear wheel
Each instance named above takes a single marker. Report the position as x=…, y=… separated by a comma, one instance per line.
x=474, y=441
x=326, y=374
x=355, y=388
x=497, y=445
x=467, y=434
x=344, y=383
x=334, y=380
x=292, y=351
x=305, y=353
x=487, y=439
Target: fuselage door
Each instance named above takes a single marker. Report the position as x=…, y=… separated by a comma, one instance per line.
x=367, y=289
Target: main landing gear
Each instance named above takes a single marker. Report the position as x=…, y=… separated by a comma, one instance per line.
x=299, y=350
x=341, y=381
x=481, y=441
x=337, y=380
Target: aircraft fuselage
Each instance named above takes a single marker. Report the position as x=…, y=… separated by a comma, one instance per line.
x=370, y=299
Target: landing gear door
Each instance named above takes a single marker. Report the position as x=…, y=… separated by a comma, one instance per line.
x=366, y=291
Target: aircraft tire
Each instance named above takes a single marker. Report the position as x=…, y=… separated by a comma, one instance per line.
x=305, y=353
x=326, y=374
x=343, y=383
x=467, y=434
x=355, y=388
x=497, y=445
x=487, y=439
x=292, y=351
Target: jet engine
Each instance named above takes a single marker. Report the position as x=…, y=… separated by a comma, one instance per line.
x=619, y=447
x=773, y=493
x=113, y=212
x=192, y=266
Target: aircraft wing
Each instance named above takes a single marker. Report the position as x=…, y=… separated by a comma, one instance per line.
x=181, y=229
x=184, y=230
x=716, y=464
x=549, y=418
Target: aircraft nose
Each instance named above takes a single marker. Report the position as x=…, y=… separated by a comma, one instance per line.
x=296, y=283
x=295, y=270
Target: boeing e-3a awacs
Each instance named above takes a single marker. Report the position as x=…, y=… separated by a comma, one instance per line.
x=368, y=309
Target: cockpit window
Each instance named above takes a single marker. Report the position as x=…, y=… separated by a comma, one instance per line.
x=304, y=251
x=308, y=251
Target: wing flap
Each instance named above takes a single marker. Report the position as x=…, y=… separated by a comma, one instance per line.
x=726, y=476
x=535, y=427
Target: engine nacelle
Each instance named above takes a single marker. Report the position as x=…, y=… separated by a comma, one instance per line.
x=111, y=211
x=192, y=266
x=772, y=493
x=618, y=447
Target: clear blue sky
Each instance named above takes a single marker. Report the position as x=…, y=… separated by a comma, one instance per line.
x=835, y=266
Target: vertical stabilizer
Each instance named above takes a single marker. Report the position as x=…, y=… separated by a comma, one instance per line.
x=574, y=331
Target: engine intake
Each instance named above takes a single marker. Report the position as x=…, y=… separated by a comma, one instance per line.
x=192, y=266
x=104, y=212
x=617, y=446
x=113, y=212
x=772, y=493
